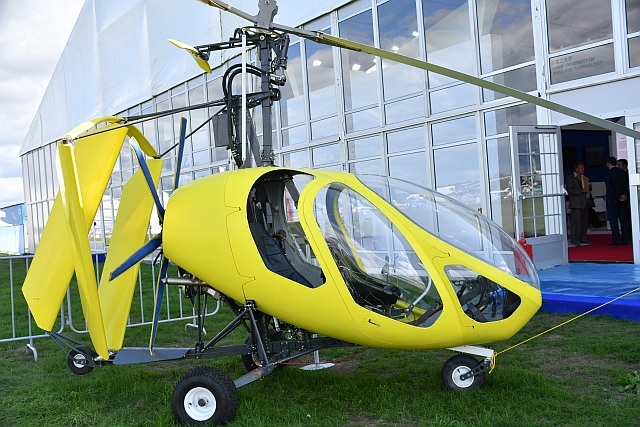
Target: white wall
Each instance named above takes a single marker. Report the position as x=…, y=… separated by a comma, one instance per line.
x=118, y=55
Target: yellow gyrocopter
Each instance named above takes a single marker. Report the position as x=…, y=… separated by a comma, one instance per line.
x=306, y=259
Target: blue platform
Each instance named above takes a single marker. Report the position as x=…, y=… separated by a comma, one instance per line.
x=579, y=287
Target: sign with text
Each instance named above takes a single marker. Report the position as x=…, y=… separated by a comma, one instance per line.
x=578, y=65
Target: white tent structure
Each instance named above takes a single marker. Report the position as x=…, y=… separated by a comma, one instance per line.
x=346, y=110
x=118, y=56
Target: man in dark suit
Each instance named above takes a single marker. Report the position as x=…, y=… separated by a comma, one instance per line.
x=577, y=186
x=617, y=198
x=623, y=164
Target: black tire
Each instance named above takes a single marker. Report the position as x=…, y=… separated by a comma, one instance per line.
x=455, y=367
x=204, y=395
x=78, y=358
x=250, y=361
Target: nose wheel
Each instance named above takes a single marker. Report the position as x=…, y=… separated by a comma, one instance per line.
x=204, y=395
x=457, y=373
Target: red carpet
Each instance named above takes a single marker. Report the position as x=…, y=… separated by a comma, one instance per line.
x=598, y=251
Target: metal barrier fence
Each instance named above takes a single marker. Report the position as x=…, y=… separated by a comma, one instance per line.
x=17, y=324
x=12, y=239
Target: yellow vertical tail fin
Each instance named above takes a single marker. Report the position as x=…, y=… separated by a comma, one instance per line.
x=52, y=268
x=129, y=232
x=80, y=249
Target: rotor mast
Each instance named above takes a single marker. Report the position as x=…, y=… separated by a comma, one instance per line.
x=267, y=11
x=272, y=47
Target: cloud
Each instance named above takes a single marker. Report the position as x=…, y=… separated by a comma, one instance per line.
x=33, y=34
x=10, y=169
x=11, y=191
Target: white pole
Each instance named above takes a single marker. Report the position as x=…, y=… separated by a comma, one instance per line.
x=244, y=96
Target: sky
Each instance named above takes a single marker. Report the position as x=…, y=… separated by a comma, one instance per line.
x=33, y=34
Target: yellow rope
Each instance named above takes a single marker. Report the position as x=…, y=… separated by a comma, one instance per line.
x=495, y=355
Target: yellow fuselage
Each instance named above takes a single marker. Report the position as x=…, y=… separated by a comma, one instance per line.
x=206, y=231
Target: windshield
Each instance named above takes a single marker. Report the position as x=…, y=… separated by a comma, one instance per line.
x=379, y=266
x=457, y=225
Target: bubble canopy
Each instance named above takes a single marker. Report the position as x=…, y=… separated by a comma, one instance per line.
x=457, y=225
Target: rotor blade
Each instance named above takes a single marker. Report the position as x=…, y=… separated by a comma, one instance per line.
x=330, y=40
x=147, y=176
x=226, y=7
x=183, y=132
x=195, y=54
x=359, y=47
x=158, y=302
x=137, y=256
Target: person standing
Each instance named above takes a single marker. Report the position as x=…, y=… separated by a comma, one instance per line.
x=577, y=186
x=617, y=200
x=624, y=165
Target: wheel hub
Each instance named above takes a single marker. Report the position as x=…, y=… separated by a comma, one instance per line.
x=79, y=360
x=200, y=403
x=457, y=374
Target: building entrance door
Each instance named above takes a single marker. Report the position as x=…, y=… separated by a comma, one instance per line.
x=538, y=189
x=633, y=153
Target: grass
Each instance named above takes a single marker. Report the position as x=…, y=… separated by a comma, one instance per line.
x=14, y=271
x=566, y=378
x=569, y=377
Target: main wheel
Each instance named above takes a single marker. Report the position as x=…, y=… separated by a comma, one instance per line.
x=204, y=395
x=457, y=366
x=252, y=361
x=77, y=360
x=268, y=332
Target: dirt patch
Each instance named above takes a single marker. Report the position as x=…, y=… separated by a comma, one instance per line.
x=554, y=337
x=18, y=353
x=580, y=364
x=361, y=420
x=346, y=366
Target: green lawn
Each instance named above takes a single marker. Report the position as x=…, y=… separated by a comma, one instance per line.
x=569, y=377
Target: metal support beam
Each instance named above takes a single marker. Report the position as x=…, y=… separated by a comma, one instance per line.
x=265, y=85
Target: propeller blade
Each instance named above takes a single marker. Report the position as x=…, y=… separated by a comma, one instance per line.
x=137, y=256
x=195, y=54
x=158, y=302
x=183, y=132
x=147, y=176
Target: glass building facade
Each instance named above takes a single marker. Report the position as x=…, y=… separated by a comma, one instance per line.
x=344, y=110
